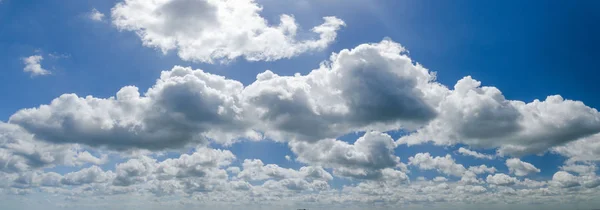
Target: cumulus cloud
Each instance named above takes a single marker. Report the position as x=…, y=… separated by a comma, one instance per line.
x=364, y=159
x=481, y=117
x=467, y=152
x=93, y=174
x=33, y=66
x=585, y=149
x=481, y=169
x=21, y=152
x=520, y=168
x=565, y=180
x=183, y=106
x=256, y=170
x=96, y=15
x=86, y=157
x=134, y=171
x=582, y=169
x=501, y=180
x=446, y=164
x=209, y=30
x=371, y=87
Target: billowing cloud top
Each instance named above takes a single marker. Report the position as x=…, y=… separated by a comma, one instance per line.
x=212, y=30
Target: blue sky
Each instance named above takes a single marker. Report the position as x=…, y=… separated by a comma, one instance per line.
x=526, y=49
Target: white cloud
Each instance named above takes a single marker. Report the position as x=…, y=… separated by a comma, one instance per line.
x=482, y=117
x=532, y=183
x=440, y=179
x=565, y=180
x=362, y=160
x=585, y=149
x=371, y=87
x=501, y=180
x=33, y=66
x=520, y=168
x=445, y=164
x=209, y=30
x=20, y=151
x=475, y=154
x=481, y=169
x=96, y=15
x=255, y=170
x=582, y=169
x=184, y=106
x=134, y=171
x=86, y=157
x=89, y=175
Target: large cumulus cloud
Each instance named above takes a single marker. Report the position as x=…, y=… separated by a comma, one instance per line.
x=183, y=106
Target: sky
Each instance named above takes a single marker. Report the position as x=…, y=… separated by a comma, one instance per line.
x=287, y=104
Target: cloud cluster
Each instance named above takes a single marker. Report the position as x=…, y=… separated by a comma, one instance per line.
x=212, y=30
x=371, y=87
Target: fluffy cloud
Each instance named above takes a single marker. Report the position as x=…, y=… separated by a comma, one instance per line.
x=585, y=149
x=520, y=168
x=201, y=163
x=33, y=66
x=183, y=106
x=255, y=170
x=86, y=176
x=445, y=164
x=582, y=169
x=209, y=30
x=501, y=180
x=371, y=87
x=475, y=154
x=86, y=157
x=134, y=171
x=482, y=169
x=482, y=117
x=96, y=15
x=565, y=180
x=34, y=179
x=20, y=151
x=363, y=160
